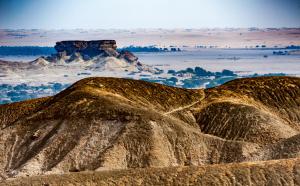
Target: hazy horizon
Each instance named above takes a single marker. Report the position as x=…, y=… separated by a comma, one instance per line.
x=154, y=28
x=230, y=37
x=135, y=14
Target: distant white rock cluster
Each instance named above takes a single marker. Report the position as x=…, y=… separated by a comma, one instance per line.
x=73, y=60
x=99, y=55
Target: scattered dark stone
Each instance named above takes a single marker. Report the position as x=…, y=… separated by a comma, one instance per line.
x=35, y=136
x=74, y=170
x=128, y=56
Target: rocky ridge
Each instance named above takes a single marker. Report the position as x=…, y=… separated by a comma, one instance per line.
x=275, y=172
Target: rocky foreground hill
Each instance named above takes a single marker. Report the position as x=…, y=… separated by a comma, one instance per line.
x=121, y=131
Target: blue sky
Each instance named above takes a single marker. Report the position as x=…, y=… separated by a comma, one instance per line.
x=128, y=14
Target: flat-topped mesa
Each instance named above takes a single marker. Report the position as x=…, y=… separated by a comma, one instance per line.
x=90, y=48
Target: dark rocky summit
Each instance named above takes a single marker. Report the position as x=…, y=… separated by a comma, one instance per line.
x=90, y=48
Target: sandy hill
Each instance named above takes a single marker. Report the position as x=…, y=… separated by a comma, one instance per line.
x=101, y=124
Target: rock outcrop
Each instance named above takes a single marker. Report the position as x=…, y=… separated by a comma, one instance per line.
x=72, y=50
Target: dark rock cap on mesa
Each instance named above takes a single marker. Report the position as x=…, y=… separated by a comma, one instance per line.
x=91, y=48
